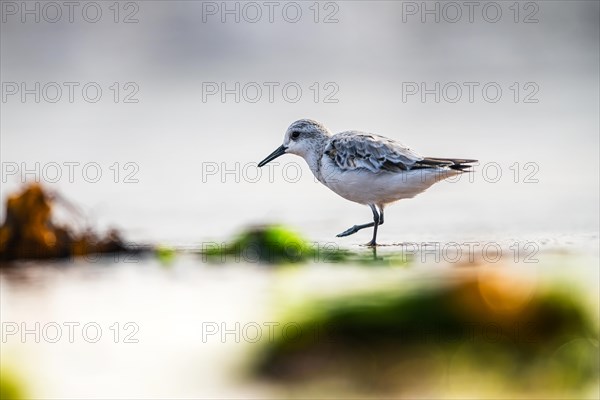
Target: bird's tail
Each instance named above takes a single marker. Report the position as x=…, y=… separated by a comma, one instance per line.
x=459, y=164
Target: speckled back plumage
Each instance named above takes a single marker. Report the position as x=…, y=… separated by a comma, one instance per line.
x=353, y=150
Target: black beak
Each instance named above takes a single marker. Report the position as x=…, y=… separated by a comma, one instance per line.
x=279, y=152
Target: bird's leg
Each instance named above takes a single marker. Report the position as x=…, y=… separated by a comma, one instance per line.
x=352, y=230
x=376, y=221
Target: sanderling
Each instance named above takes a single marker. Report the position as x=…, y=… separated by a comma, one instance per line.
x=365, y=168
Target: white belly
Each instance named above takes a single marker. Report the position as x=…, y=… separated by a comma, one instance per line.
x=366, y=187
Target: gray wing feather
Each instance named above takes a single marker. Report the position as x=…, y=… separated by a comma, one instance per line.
x=358, y=150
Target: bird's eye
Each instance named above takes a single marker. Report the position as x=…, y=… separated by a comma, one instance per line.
x=295, y=135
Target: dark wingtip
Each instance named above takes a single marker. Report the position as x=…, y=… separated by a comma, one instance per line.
x=459, y=164
x=462, y=165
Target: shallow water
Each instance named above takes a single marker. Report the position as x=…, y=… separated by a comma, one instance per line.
x=170, y=347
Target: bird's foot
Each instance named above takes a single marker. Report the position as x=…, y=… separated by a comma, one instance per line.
x=372, y=243
x=349, y=231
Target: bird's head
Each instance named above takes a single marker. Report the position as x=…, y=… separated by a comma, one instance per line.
x=302, y=138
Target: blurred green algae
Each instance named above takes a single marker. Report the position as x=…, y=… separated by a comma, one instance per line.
x=166, y=255
x=11, y=387
x=478, y=331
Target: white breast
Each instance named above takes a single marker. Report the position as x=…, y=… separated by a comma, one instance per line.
x=383, y=187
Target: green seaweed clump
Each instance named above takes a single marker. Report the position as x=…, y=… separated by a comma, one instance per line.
x=272, y=244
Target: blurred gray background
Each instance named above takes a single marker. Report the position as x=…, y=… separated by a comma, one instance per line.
x=175, y=136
